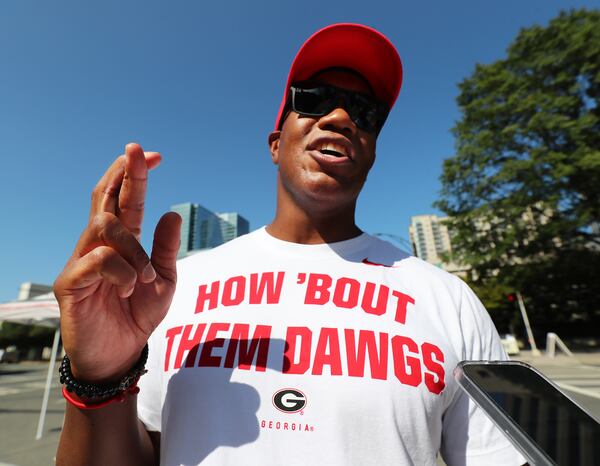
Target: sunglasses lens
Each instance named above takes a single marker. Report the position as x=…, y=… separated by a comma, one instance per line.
x=315, y=101
x=365, y=112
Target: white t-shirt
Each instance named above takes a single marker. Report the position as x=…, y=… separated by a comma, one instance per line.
x=277, y=353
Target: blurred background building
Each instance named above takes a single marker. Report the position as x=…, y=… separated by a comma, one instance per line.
x=203, y=229
x=30, y=290
x=431, y=242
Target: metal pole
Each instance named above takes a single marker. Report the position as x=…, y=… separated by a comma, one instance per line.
x=556, y=340
x=40, y=427
x=551, y=344
x=534, y=349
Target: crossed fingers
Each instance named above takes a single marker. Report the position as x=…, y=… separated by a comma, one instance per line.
x=117, y=212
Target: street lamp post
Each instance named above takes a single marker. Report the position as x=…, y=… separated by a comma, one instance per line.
x=399, y=239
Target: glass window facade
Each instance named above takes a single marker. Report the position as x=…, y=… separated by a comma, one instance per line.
x=202, y=229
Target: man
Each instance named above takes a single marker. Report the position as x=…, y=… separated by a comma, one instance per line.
x=305, y=342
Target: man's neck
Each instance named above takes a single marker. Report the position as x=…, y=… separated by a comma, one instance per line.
x=297, y=225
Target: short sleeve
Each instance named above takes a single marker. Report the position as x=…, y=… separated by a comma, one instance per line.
x=468, y=436
x=149, y=405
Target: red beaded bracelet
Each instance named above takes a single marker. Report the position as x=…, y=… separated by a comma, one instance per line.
x=119, y=397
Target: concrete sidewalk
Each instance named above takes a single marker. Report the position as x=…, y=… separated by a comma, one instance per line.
x=21, y=393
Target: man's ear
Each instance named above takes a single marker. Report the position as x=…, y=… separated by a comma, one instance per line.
x=274, y=139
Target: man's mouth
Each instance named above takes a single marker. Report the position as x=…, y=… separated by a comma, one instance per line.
x=329, y=148
x=333, y=149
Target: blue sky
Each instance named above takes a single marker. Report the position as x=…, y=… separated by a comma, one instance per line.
x=201, y=83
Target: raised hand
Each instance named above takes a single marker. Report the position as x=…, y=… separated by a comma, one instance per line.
x=111, y=294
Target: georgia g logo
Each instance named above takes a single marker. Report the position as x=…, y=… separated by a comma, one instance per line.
x=289, y=400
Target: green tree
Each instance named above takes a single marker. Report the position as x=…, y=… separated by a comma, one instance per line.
x=523, y=189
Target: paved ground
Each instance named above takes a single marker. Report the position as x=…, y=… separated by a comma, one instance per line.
x=578, y=376
x=21, y=391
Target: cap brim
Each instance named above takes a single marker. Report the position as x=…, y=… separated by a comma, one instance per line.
x=354, y=46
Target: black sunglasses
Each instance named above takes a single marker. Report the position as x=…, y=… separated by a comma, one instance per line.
x=367, y=113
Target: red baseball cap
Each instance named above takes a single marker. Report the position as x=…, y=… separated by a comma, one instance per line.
x=348, y=45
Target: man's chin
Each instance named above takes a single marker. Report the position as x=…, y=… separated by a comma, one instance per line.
x=331, y=190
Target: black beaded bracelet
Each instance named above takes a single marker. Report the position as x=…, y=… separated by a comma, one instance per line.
x=101, y=391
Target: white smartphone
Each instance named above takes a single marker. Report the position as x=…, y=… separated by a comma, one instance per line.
x=547, y=426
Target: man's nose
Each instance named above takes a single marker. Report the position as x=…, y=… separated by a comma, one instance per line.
x=338, y=120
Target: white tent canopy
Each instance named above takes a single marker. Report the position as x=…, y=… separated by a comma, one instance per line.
x=42, y=310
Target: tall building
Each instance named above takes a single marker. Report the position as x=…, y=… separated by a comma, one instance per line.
x=430, y=239
x=202, y=229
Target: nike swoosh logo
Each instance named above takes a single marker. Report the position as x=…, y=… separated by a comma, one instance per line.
x=377, y=264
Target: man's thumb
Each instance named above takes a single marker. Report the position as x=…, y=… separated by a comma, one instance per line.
x=167, y=237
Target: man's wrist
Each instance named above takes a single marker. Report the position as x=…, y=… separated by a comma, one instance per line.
x=84, y=390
